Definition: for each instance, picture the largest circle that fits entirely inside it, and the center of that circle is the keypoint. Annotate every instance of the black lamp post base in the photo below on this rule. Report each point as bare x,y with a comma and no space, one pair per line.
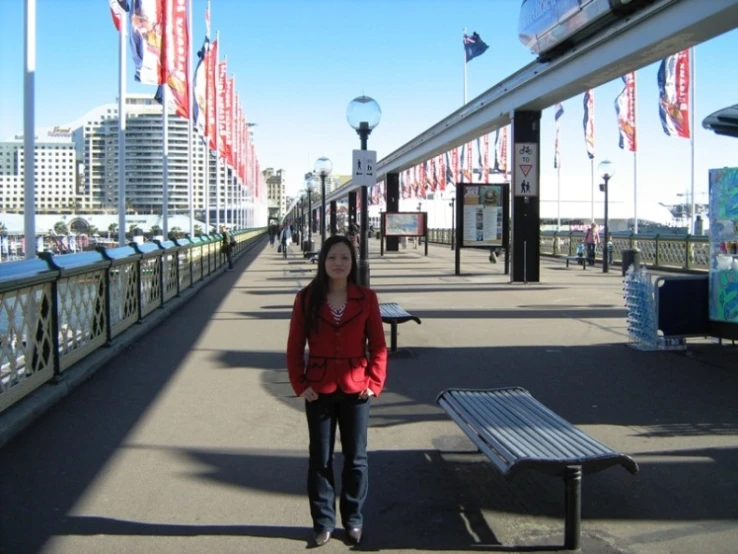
364,273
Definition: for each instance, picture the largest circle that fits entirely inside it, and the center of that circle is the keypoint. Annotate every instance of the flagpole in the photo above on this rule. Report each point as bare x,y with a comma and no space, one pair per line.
635,160
29,131
693,130
190,103
122,52
465,64
592,180
558,196
216,76
165,183
206,139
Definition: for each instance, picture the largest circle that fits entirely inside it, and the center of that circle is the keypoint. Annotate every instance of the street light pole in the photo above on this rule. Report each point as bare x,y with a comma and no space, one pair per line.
363,114
323,168
607,170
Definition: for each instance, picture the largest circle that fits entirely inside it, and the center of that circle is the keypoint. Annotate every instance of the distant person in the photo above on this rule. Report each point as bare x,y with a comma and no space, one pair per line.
227,246
272,234
592,240
284,238
610,249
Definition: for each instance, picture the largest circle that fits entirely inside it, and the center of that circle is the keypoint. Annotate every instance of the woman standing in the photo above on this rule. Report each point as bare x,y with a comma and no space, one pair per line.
347,364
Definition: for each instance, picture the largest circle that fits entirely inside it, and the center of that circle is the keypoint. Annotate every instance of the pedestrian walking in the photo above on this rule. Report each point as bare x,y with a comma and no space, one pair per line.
227,246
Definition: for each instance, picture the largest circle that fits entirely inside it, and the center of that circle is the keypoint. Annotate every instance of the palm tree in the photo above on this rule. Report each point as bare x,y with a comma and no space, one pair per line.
93,231
155,230
175,232
132,228
60,228
198,230
3,228
112,229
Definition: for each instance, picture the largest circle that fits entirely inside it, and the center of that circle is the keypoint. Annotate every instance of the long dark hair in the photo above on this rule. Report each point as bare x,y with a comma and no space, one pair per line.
317,291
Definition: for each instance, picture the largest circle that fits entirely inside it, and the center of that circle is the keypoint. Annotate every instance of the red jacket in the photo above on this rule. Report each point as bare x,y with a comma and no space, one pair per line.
338,353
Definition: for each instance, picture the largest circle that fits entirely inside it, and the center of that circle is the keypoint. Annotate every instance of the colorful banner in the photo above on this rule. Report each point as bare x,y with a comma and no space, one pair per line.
485,157
674,80
589,123
455,164
147,37
176,48
229,121
625,106
118,9
221,92
559,112
200,90
211,98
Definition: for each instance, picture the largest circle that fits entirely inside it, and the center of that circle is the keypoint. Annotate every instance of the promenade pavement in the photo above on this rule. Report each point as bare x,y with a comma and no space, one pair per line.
191,440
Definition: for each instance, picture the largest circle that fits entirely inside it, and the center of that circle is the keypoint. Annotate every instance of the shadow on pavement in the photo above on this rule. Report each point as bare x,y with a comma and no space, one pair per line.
94,420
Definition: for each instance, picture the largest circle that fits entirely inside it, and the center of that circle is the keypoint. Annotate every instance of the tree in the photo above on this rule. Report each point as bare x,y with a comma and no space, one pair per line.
60,228
198,230
3,228
156,230
132,228
94,231
175,232
112,229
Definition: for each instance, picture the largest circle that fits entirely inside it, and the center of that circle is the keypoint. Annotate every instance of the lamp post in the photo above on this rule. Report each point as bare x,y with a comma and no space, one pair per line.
606,170
309,189
363,114
323,168
301,226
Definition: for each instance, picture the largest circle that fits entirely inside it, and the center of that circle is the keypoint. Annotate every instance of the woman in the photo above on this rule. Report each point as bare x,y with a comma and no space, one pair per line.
340,322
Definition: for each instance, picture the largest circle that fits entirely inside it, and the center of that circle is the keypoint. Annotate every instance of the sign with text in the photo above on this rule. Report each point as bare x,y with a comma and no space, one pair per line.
525,160
484,215
404,224
363,170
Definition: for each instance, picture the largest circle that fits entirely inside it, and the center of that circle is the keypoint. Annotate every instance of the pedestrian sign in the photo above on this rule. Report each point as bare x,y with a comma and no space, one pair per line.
363,168
525,158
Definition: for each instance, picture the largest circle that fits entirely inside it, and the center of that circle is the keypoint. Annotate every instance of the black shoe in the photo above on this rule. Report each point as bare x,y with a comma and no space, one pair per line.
322,538
354,534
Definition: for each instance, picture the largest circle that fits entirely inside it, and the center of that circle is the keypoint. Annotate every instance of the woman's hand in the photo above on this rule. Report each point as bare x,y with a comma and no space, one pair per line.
309,394
363,395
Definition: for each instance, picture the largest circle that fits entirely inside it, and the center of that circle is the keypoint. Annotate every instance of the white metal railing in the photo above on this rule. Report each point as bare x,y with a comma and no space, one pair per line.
56,310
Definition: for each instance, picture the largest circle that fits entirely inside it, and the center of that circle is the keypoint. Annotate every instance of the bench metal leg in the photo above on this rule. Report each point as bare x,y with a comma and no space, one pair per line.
393,337
573,503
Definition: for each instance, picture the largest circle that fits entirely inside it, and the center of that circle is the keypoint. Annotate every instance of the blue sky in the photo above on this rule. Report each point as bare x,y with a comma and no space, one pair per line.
298,63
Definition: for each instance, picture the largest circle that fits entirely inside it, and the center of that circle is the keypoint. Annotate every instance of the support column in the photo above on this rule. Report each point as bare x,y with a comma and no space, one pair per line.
352,207
526,228
334,209
392,181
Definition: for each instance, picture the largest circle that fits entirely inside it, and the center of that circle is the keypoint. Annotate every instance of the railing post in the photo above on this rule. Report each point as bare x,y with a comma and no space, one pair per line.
571,243
108,308
556,243
657,254
687,251
139,288
176,261
631,240
52,312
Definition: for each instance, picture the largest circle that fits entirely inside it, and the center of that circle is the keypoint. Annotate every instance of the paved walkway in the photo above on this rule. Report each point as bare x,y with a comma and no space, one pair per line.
191,440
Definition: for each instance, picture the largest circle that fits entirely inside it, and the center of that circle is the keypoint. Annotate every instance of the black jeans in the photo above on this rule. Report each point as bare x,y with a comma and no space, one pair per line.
352,416
590,253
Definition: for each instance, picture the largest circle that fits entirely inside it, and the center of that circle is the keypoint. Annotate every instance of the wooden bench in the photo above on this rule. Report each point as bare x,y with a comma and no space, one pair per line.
579,259
516,432
393,314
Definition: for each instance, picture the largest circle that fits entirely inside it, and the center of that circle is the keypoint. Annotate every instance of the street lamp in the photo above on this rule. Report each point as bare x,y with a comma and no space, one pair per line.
323,168
607,170
309,190
363,114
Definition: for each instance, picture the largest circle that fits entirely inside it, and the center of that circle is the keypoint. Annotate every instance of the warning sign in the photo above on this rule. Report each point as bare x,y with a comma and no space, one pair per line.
525,160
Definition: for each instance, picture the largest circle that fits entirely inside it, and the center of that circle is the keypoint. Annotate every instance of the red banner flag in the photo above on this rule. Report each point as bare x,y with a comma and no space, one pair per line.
211,95
625,107
674,80
229,120
222,71
176,54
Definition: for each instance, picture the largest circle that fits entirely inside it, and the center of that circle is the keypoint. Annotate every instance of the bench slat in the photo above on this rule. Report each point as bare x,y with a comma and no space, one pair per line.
393,311
516,431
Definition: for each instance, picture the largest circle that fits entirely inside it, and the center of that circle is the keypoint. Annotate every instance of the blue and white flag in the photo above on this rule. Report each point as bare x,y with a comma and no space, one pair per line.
474,46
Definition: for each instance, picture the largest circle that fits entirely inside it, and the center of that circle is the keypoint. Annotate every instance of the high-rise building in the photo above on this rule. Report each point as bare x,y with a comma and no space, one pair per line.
55,172
276,192
96,138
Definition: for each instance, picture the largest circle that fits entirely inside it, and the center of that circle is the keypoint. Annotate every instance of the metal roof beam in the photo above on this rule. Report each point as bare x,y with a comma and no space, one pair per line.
647,36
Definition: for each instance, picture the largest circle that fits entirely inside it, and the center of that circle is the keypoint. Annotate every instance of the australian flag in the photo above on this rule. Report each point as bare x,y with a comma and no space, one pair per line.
474,46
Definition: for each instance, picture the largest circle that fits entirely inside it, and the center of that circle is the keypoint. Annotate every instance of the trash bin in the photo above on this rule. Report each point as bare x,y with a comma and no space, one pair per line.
631,256
307,246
